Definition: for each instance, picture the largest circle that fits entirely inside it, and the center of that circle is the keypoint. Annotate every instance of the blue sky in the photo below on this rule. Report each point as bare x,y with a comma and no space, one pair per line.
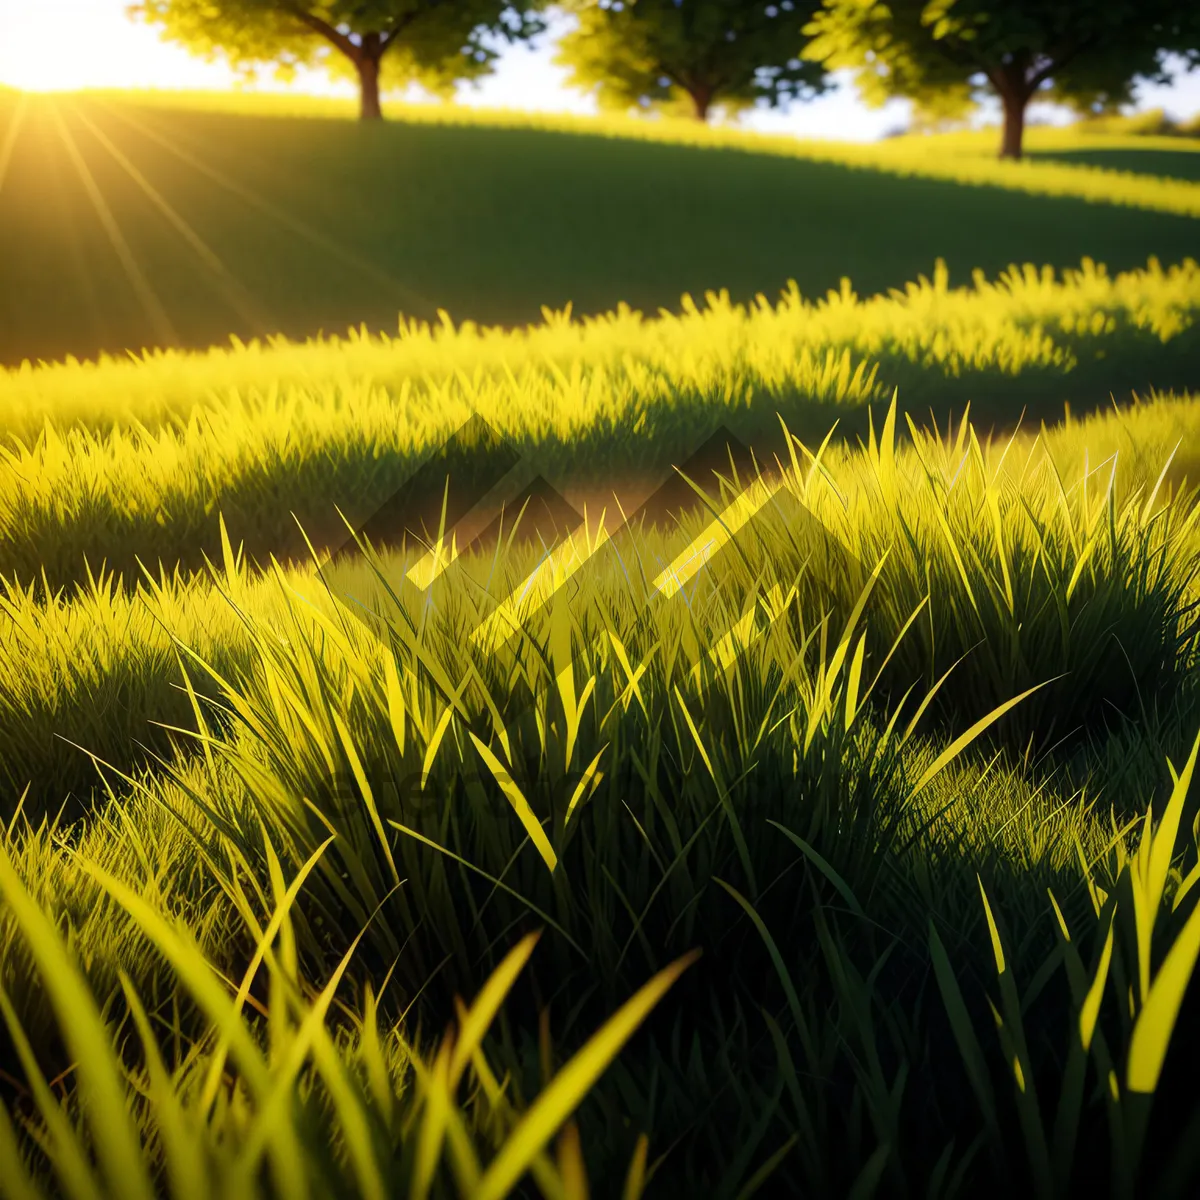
64,44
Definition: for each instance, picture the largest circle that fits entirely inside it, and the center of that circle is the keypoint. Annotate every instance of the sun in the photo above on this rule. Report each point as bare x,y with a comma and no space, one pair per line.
65,45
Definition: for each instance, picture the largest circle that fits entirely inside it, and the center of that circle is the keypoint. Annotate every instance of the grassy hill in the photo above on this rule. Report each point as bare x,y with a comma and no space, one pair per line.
131,222
831,833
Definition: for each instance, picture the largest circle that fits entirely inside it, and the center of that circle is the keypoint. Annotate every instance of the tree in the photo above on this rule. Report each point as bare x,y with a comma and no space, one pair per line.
945,54
688,55
382,43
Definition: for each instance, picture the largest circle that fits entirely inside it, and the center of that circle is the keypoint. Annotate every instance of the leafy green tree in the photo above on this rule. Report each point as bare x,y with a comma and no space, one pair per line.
382,43
679,56
946,54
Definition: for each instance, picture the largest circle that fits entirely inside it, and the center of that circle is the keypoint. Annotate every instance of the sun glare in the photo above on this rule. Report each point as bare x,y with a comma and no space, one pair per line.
64,45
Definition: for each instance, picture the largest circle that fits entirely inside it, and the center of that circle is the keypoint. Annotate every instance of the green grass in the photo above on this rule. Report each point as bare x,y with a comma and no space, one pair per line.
682,835
1165,164
106,669
840,838
272,436
331,225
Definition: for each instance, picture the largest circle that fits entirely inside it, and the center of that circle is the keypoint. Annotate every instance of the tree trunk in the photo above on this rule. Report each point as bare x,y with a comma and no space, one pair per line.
701,102
1015,102
368,80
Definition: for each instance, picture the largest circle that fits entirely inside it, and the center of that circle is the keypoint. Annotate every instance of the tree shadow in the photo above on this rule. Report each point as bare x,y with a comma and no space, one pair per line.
1166,164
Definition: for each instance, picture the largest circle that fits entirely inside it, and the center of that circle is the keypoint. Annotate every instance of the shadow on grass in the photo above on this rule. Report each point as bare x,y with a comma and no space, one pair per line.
1167,164
326,225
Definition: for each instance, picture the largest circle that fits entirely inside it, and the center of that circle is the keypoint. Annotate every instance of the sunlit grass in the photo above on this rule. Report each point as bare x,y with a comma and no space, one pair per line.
121,459
375,814
838,840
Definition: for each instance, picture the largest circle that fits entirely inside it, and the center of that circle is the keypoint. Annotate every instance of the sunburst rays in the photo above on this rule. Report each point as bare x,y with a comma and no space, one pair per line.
10,136
416,301
78,127
152,305
230,288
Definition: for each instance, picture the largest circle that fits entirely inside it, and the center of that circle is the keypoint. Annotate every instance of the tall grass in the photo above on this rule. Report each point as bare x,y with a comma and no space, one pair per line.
601,775
1057,556
283,1091
291,1106
838,349
380,795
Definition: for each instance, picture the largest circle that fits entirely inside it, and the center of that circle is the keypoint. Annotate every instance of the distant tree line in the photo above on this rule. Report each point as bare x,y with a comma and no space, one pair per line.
703,56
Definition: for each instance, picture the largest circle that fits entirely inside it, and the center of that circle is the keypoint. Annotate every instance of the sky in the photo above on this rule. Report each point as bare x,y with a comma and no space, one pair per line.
58,45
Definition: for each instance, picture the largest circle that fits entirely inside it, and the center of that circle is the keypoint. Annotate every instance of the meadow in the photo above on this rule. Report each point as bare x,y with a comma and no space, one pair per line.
126,222
279,439
824,823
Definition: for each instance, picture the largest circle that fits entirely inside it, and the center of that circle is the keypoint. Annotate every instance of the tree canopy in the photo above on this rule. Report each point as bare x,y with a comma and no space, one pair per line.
945,54
677,56
381,43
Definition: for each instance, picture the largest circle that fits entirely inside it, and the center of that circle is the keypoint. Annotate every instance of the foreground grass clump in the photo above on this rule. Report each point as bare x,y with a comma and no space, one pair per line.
728,739
350,1111
136,461
347,1073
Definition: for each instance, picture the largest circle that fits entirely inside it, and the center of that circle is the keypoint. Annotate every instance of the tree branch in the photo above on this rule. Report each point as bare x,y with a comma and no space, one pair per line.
398,27
1058,61
1010,78
322,27
350,49
402,23
996,79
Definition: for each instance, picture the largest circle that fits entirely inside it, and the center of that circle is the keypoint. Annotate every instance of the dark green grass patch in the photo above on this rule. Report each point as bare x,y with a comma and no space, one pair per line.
1166,164
321,224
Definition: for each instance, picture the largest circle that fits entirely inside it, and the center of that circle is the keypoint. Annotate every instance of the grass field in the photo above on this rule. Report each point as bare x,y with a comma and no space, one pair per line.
126,224
836,834
140,460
